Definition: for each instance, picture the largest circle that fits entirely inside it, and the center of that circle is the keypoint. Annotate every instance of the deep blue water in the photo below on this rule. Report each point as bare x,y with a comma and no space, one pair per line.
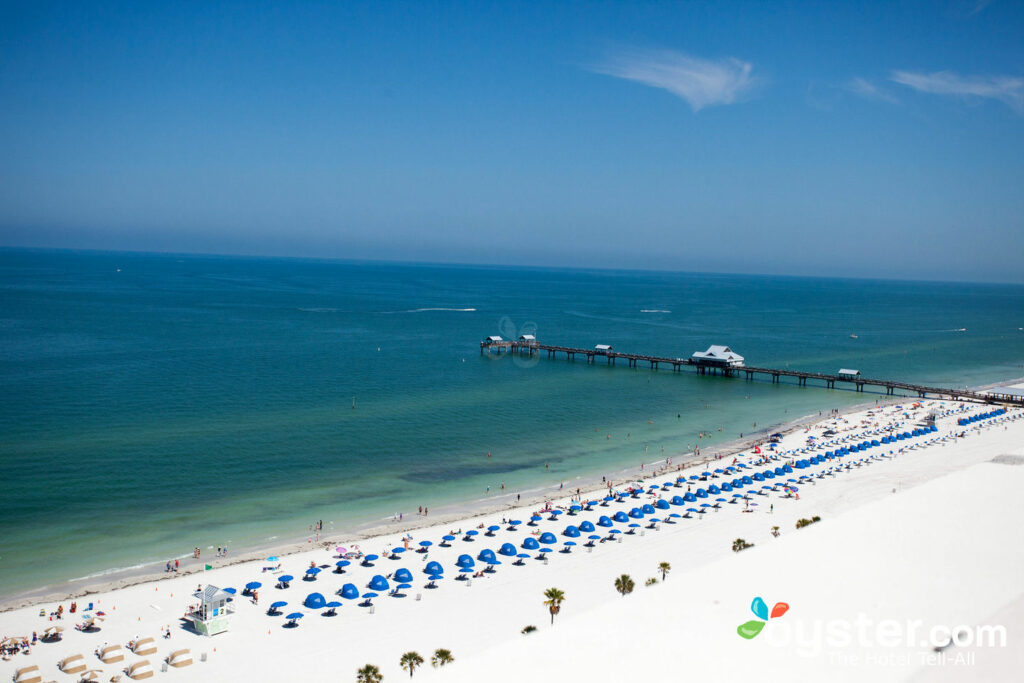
152,403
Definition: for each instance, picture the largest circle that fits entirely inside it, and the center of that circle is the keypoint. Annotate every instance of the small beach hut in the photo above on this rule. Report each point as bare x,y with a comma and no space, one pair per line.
403,575
112,654
145,646
547,538
378,583
139,670
433,567
75,664
529,543
180,658
28,674
211,616
507,549
349,591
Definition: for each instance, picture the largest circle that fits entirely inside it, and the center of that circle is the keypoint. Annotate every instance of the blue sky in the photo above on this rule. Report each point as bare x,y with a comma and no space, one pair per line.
857,139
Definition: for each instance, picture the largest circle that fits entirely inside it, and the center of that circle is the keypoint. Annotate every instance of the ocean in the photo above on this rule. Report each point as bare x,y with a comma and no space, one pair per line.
153,403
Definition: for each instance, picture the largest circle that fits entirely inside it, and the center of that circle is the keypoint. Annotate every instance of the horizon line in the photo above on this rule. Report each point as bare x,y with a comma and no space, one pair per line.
492,266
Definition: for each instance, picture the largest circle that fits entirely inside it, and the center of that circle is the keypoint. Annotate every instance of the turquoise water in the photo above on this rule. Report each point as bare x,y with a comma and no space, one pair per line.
153,403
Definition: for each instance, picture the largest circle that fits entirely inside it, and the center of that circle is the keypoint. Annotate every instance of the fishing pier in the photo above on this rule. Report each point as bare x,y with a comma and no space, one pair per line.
722,360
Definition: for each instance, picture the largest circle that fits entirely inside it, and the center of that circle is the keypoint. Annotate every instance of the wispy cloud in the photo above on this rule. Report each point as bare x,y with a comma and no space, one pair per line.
701,82
979,7
1006,89
870,91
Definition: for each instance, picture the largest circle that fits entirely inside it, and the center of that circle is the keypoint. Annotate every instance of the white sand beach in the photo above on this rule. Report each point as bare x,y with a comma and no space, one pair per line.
926,536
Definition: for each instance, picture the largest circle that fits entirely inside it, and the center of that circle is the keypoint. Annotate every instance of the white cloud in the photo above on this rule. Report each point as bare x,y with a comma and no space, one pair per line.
701,82
1006,89
870,91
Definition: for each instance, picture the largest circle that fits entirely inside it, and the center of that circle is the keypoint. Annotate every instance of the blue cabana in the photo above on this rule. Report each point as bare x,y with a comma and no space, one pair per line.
587,526
604,521
403,575
636,513
487,555
620,517
662,504
677,500
647,509
701,493
529,543
349,591
571,532
314,601
507,549
433,568
378,583
465,561
547,538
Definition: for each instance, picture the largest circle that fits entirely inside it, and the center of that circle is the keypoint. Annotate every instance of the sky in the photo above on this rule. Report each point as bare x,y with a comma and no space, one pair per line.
851,139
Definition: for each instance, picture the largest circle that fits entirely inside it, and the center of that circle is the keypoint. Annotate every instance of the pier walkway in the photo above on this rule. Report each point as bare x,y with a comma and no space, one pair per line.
532,347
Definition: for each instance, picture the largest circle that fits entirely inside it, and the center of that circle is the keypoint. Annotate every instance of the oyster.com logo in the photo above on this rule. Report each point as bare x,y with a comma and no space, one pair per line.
760,610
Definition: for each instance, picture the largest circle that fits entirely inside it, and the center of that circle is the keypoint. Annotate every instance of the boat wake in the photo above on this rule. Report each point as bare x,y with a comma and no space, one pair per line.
654,310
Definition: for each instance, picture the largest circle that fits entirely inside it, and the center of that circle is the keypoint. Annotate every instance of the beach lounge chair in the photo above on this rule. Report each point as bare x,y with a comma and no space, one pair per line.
144,646
112,654
139,670
28,674
180,658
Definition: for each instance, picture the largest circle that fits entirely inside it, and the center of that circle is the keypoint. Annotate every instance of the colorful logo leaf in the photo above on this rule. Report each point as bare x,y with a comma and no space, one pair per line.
750,629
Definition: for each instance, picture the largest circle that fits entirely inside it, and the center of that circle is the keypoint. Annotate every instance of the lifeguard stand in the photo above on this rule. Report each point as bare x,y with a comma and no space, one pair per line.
212,614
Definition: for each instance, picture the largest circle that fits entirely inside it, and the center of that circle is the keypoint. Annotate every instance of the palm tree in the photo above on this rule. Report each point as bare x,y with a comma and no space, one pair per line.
369,674
624,584
441,657
554,601
409,661
665,568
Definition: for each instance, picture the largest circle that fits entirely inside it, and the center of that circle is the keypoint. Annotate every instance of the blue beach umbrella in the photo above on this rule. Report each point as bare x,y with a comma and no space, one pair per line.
472,532
595,537
534,519
447,538
369,596
425,544
435,577
279,604
295,615
615,531
341,564
285,579
398,551
253,585
514,522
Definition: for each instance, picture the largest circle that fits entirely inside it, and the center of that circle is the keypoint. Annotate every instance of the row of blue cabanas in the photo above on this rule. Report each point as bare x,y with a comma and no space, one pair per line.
875,443
964,421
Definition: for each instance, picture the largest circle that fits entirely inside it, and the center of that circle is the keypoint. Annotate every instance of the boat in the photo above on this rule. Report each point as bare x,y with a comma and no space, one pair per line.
853,336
